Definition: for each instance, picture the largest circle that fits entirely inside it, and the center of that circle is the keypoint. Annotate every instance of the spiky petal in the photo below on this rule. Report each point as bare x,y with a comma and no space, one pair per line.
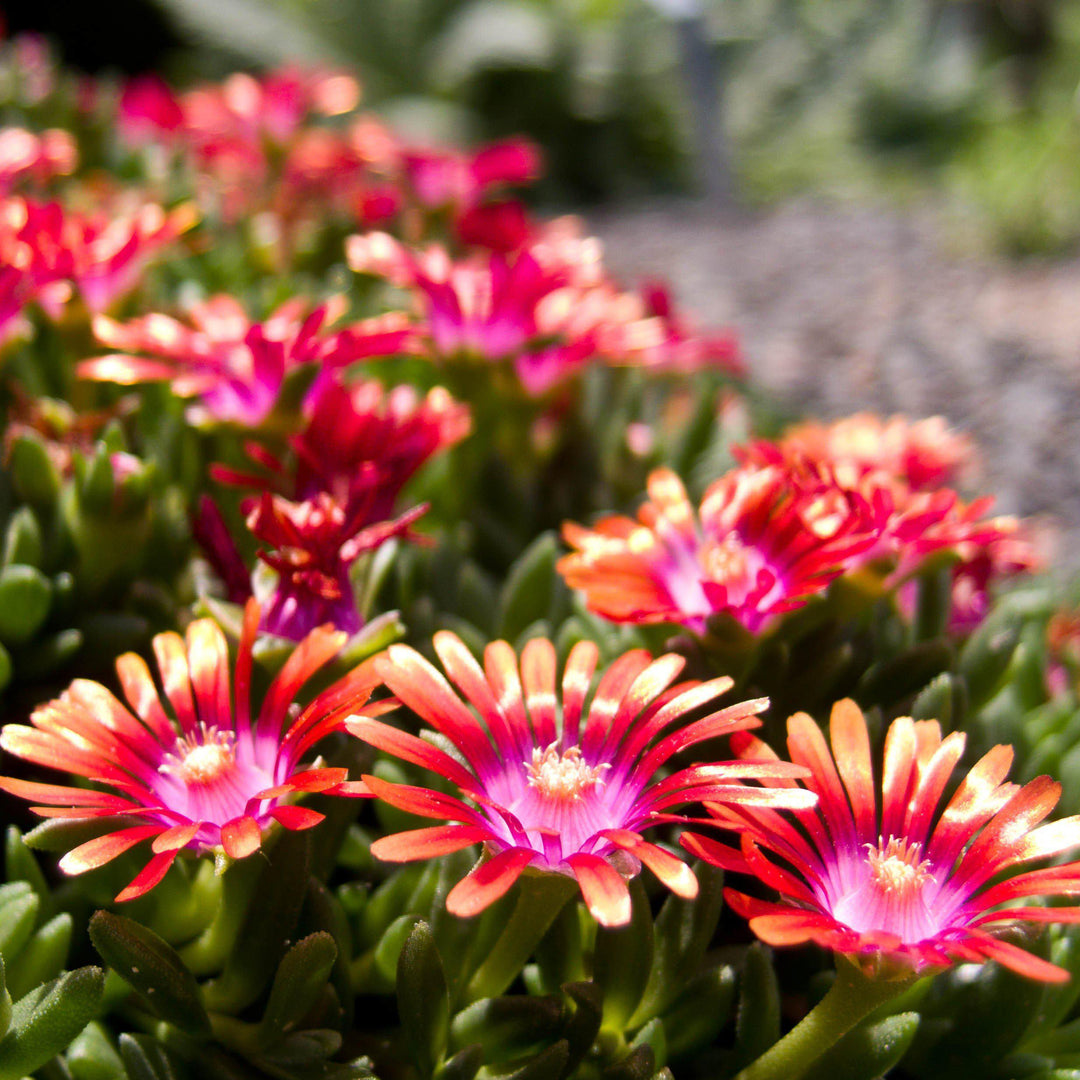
549,787
194,769
902,885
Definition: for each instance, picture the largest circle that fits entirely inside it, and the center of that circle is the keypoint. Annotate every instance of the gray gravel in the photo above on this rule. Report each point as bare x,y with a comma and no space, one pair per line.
842,308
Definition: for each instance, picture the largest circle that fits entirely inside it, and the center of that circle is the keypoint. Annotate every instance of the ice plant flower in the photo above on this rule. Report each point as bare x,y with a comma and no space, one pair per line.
360,444
904,887
764,542
234,366
312,545
545,787
925,454
197,770
24,155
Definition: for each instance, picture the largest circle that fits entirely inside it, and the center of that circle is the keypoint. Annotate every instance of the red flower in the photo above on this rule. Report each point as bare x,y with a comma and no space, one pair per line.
194,772
764,542
909,889
545,789
311,545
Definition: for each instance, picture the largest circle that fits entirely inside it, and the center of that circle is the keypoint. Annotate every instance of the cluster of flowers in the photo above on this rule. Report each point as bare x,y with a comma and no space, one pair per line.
565,783
555,777
862,496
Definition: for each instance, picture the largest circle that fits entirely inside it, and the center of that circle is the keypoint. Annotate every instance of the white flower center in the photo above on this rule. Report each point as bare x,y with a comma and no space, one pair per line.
563,777
897,868
202,757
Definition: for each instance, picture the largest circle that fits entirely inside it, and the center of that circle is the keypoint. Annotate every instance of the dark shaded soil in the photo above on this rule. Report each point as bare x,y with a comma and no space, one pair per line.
842,309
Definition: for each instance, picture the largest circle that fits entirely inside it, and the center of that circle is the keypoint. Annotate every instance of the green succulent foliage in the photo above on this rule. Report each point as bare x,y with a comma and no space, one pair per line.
84,557
260,989
42,1006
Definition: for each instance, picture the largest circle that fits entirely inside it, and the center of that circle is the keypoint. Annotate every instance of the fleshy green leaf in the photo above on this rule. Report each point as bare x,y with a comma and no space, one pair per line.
869,1051
25,596
757,1023
19,906
301,978
152,967
145,1059
45,1021
92,1055
423,999
623,959
267,928
682,933
43,957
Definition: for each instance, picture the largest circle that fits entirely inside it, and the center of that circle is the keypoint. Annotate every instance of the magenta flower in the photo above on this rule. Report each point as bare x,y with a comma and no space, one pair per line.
233,366
551,788
914,887
197,770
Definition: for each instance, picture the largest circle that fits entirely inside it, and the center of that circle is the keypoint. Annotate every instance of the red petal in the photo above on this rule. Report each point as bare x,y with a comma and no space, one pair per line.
807,746
409,748
179,836
296,818
421,688
176,677
792,927
148,877
672,871
61,796
103,849
898,775
317,649
538,679
577,676
312,780
613,687
208,657
605,892
139,689
487,882
851,749
241,837
933,777
124,370
1015,958
423,801
428,843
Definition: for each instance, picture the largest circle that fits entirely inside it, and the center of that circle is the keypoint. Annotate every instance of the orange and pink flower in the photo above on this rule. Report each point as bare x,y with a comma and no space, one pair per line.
907,887
197,770
764,542
550,787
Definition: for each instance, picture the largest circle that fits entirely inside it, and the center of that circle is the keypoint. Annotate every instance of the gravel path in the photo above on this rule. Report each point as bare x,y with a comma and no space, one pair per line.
843,308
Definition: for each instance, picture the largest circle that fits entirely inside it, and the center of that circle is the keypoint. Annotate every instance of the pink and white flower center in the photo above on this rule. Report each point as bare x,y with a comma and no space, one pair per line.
210,775
563,777
732,564
892,889
897,869
201,758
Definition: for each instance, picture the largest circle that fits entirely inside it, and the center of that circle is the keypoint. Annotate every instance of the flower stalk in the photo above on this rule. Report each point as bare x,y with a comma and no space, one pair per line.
850,1000
540,899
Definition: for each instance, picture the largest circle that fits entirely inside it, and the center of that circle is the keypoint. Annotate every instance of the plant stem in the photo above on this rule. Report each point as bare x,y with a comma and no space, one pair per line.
540,899
851,998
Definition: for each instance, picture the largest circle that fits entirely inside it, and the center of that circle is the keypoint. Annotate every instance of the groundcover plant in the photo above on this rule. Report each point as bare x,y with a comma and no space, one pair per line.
423,655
